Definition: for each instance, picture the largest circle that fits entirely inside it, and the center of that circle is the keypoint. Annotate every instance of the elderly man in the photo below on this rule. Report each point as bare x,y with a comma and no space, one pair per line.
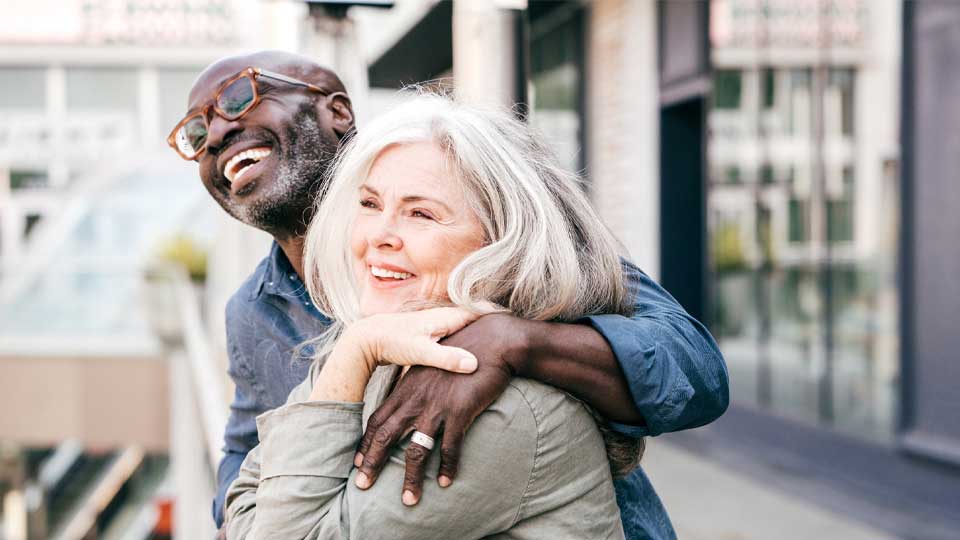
263,129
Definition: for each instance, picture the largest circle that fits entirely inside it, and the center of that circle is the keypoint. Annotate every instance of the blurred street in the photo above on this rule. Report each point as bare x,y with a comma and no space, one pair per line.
709,501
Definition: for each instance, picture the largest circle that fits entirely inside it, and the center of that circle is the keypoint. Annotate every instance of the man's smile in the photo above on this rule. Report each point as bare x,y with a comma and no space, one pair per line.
241,166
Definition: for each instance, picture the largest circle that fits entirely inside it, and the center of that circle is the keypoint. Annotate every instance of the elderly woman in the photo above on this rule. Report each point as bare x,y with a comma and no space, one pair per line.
439,204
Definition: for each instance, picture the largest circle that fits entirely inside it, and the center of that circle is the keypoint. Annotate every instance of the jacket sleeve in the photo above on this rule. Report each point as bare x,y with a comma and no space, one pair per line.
676,374
299,482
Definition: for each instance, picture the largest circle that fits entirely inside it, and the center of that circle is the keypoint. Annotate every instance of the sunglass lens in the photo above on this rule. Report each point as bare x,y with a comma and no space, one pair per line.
236,97
192,136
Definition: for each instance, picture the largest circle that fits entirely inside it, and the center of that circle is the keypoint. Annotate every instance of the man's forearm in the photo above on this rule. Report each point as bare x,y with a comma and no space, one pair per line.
577,359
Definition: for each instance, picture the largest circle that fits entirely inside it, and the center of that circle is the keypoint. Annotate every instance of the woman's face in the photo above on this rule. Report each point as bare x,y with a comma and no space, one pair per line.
412,228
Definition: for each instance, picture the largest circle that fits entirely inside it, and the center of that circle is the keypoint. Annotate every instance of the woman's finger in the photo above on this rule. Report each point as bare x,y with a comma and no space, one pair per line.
441,322
424,352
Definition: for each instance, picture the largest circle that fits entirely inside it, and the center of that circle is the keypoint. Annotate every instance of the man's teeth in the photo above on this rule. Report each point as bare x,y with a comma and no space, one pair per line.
254,154
384,273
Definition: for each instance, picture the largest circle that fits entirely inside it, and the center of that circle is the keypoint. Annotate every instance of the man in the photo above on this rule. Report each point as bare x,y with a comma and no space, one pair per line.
263,139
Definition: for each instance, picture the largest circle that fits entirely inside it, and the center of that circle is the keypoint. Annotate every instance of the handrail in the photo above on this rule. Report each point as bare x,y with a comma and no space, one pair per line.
207,386
106,489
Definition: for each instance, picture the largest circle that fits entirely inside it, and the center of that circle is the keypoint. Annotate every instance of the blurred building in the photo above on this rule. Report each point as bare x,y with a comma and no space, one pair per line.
762,159
783,167
89,197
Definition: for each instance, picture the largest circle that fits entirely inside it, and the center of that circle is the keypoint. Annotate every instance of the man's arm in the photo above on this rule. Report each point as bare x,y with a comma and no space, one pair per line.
240,435
656,371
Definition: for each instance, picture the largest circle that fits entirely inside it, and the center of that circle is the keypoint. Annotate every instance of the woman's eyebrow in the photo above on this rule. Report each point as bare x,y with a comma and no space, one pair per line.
418,198
410,198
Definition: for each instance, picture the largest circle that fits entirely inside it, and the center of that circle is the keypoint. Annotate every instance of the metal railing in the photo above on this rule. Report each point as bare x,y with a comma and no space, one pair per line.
198,406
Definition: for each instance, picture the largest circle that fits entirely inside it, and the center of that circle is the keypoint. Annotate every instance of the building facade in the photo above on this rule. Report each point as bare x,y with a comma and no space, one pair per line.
762,159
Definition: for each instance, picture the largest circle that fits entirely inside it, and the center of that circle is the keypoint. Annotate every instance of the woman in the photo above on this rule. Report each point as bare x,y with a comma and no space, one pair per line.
432,204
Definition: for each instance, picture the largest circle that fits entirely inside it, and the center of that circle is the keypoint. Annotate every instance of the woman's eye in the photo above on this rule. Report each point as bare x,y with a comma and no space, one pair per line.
367,203
421,214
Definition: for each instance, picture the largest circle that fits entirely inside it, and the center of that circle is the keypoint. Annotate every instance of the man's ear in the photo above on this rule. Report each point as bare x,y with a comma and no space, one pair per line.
341,112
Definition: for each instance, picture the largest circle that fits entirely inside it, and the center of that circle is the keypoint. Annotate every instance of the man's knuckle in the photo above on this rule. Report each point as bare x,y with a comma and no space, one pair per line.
382,437
415,452
449,454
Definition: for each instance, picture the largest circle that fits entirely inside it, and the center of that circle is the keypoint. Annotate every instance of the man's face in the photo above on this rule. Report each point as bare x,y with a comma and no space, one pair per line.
265,168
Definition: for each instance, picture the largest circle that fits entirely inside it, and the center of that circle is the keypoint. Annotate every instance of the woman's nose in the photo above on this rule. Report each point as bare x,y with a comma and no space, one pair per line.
386,234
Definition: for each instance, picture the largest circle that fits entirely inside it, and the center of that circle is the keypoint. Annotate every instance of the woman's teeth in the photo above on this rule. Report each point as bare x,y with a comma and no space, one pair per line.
241,162
384,273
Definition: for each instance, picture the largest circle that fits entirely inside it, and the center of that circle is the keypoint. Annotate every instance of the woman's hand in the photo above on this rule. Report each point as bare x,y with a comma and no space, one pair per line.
410,339
405,339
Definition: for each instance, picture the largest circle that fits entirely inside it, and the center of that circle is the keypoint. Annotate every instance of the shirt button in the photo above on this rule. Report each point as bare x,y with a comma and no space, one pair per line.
293,276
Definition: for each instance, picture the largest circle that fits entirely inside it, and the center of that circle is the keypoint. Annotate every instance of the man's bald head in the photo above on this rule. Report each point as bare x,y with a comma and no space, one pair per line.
293,65
266,167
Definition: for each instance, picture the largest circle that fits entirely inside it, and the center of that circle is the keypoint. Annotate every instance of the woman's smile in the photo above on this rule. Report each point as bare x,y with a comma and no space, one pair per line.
384,276
413,227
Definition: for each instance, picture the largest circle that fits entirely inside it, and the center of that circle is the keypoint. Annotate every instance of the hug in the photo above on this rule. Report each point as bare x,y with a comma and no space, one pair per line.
445,340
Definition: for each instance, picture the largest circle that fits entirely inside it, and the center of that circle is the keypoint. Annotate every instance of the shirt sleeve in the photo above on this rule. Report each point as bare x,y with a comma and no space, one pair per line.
240,434
673,366
299,482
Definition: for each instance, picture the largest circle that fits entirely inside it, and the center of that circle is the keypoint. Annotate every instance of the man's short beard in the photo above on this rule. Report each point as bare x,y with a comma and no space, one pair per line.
283,208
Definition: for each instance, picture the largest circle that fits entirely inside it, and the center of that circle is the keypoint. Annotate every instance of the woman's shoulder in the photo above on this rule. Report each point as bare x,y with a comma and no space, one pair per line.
550,421
550,407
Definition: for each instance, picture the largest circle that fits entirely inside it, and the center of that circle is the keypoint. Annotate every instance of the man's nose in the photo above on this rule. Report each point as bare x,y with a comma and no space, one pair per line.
219,131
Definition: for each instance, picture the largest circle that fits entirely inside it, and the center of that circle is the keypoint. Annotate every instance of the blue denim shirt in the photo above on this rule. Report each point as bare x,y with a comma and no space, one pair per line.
676,374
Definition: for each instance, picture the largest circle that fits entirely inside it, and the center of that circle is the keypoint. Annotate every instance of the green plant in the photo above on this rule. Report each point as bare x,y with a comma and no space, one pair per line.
184,251
727,249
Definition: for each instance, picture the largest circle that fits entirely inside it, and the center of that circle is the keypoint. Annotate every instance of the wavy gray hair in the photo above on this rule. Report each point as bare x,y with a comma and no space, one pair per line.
547,255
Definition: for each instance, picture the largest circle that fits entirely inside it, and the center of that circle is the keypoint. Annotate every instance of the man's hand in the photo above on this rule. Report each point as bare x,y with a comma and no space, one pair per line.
442,404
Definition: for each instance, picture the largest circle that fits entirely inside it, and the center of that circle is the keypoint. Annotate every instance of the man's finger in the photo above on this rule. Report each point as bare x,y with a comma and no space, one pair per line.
416,456
381,415
449,455
378,452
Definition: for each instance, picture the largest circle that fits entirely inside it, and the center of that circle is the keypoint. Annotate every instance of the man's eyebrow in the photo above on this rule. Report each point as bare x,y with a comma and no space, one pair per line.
216,86
410,198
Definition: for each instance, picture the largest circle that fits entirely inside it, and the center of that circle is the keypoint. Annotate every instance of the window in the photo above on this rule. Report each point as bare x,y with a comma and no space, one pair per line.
23,88
101,89
768,78
802,308
799,230
28,179
556,82
726,90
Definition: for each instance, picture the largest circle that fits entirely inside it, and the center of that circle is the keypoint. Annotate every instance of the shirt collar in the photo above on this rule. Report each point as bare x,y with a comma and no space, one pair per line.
279,277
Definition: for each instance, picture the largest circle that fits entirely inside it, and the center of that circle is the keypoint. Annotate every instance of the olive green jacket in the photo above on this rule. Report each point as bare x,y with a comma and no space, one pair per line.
533,465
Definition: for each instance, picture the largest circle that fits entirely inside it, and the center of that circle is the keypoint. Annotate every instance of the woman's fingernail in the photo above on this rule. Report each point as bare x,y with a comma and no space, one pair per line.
468,364
363,481
409,498
358,460
444,481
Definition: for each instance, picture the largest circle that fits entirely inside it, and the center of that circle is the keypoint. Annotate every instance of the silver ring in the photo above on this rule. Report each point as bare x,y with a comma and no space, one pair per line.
422,439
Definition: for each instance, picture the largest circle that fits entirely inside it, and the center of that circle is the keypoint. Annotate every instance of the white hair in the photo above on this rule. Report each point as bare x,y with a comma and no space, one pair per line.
547,255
